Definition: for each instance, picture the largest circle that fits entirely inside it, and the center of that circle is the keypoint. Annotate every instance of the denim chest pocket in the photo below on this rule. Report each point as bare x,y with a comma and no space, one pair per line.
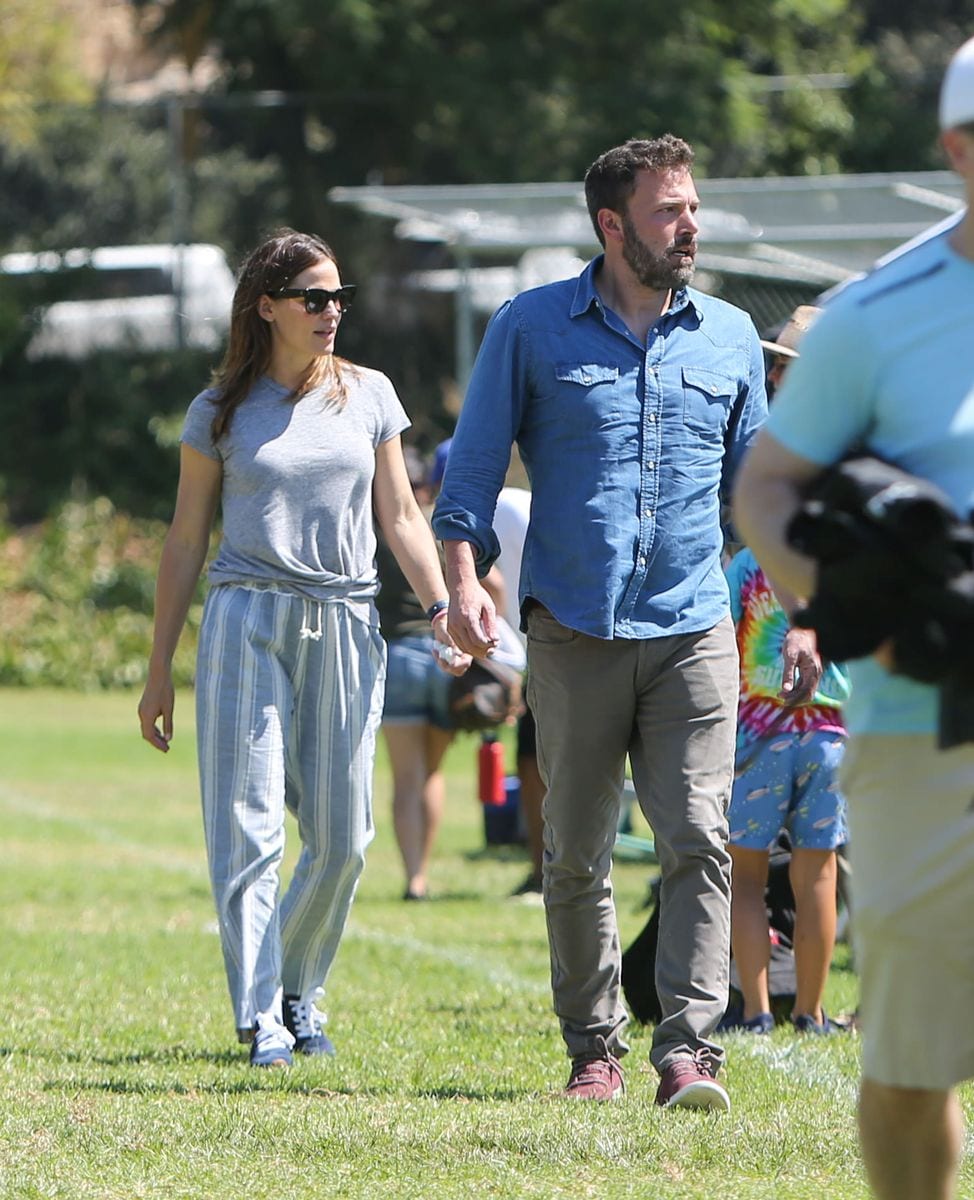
707,399
588,390
587,374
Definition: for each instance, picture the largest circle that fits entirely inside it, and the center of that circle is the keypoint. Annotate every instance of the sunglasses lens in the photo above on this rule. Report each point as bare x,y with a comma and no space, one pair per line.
316,300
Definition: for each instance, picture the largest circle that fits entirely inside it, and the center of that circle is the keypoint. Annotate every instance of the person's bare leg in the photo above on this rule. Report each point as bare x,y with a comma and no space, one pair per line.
532,799
415,754
433,799
407,757
813,882
911,1141
750,941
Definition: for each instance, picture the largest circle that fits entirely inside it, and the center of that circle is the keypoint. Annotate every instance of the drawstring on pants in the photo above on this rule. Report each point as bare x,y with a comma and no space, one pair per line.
306,631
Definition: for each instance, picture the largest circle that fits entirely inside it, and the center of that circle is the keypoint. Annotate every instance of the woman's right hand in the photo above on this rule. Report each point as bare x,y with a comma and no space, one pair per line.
157,703
449,657
183,555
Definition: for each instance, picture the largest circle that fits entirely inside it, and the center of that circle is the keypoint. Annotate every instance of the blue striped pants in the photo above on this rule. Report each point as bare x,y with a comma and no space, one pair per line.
289,698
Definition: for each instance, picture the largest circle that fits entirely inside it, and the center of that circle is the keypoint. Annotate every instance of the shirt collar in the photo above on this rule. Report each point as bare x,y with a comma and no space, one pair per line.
586,294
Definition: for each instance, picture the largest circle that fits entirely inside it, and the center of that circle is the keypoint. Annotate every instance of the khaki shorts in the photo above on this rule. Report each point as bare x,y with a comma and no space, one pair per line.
911,825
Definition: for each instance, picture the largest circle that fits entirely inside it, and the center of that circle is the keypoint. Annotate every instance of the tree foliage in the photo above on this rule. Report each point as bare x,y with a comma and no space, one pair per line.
895,100
446,91
94,428
426,91
313,95
103,175
38,66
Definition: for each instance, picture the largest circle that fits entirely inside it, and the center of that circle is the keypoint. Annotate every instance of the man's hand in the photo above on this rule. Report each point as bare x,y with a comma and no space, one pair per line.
802,666
471,620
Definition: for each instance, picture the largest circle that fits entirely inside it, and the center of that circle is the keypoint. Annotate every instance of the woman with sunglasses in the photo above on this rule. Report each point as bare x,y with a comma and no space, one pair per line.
302,449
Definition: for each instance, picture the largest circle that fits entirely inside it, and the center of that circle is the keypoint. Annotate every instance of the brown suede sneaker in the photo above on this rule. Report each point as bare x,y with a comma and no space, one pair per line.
596,1079
690,1083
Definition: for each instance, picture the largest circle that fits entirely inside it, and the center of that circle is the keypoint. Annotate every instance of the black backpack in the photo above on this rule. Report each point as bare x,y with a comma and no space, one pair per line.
639,958
484,696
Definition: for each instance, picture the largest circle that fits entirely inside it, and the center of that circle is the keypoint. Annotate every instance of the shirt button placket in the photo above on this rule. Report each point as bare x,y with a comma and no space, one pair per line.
651,401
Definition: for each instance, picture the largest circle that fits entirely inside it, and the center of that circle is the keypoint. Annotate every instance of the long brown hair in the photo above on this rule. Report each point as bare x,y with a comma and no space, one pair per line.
271,266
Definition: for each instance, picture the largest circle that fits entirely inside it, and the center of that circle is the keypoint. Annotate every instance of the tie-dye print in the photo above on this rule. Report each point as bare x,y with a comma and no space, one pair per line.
761,627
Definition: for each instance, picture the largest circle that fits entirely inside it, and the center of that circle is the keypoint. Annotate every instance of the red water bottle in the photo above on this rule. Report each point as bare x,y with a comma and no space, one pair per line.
490,769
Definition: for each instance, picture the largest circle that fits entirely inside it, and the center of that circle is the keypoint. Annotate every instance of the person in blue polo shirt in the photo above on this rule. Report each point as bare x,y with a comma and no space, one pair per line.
889,367
632,399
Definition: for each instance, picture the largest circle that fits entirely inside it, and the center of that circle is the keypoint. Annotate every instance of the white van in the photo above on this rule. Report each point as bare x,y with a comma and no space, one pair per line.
142,297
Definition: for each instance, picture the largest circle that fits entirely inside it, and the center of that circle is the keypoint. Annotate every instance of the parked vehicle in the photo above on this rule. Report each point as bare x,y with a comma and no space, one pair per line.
154,297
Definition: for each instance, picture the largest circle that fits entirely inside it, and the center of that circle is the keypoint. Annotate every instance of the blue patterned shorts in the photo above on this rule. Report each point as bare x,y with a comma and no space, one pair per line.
792,783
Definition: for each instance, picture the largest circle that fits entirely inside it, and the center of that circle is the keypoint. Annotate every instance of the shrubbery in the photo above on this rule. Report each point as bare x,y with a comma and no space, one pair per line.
104,426
76,597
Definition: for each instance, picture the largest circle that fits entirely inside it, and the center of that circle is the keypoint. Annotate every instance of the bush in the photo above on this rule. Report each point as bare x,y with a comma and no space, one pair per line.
76,599
98,427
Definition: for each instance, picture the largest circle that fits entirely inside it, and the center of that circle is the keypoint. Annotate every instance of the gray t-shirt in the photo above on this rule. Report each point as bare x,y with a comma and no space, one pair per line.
297,484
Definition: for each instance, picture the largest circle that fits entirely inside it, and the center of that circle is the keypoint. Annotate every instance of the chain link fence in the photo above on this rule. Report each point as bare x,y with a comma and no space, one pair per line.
770,302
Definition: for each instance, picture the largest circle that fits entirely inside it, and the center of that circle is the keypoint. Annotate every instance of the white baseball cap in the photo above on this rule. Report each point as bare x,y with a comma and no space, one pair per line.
957,92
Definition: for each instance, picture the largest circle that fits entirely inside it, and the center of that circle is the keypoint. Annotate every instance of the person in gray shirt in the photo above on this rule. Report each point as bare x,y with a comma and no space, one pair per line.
302,449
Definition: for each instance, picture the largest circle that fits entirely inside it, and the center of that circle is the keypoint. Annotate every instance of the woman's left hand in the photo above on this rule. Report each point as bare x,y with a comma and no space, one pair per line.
449,657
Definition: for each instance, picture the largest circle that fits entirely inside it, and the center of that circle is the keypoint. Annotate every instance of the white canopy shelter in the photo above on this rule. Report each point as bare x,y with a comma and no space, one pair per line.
816,231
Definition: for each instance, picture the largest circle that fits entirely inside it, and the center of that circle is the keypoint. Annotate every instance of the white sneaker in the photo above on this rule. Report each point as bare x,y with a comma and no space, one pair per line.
272,1044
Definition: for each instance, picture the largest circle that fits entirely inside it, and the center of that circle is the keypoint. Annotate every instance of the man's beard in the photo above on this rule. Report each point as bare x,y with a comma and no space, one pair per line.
658,272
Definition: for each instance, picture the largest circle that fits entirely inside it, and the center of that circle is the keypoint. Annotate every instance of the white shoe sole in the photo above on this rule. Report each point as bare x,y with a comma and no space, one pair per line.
700,1095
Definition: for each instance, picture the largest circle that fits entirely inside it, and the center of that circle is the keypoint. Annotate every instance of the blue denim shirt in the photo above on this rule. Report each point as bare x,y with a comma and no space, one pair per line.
630,449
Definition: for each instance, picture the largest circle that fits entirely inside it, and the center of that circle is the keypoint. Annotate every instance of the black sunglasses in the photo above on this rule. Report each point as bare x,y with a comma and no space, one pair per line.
316,300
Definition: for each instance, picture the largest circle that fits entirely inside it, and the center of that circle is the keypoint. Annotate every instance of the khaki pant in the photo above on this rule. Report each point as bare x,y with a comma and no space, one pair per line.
670,704
911,843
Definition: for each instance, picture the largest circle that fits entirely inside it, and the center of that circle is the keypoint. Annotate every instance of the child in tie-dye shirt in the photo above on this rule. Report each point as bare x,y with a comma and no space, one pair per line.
787,758
761,627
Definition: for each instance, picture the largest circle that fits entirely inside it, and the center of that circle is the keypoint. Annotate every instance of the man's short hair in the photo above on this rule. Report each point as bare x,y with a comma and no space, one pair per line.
611,179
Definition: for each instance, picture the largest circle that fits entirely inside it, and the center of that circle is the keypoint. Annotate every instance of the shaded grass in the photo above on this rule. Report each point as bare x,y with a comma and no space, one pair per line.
120,1075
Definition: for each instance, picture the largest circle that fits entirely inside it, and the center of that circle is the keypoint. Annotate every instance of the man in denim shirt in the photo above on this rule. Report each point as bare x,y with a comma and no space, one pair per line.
632,398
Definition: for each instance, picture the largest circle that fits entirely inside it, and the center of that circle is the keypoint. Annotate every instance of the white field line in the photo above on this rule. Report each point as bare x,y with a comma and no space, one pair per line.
41,810
802,1061
473,963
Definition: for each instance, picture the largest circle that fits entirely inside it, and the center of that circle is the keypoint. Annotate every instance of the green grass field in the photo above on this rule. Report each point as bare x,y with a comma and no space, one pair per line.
120,1075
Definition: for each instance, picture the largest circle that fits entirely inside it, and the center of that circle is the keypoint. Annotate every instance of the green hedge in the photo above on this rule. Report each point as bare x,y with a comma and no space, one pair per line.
76,598
105,426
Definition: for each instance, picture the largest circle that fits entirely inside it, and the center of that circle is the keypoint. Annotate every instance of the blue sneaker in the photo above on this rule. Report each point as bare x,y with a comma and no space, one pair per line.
305,1023
805,1023
762,1023
271,1046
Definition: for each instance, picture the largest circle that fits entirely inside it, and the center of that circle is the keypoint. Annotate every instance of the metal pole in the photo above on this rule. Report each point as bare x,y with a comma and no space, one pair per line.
463,317
179,209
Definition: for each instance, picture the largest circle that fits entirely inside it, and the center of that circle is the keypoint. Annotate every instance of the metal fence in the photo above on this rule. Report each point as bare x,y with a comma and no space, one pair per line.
770,302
